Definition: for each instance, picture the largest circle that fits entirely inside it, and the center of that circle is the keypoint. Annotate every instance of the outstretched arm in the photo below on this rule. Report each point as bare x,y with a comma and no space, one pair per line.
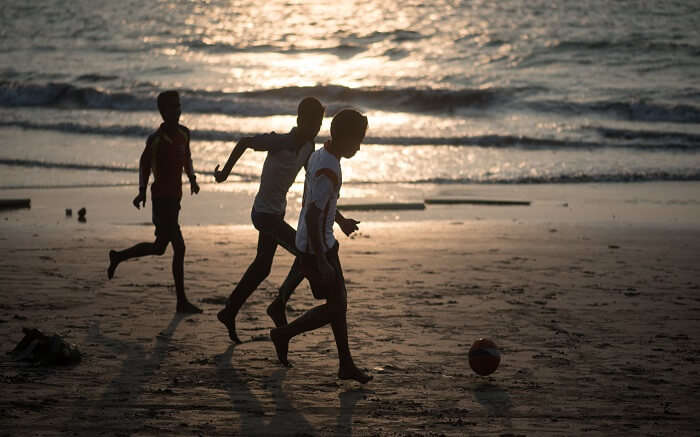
222,175
347,225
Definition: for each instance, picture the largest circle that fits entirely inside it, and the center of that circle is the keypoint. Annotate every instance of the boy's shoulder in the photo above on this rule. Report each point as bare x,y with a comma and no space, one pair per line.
324,164
272,142
186,133
324,158
152,137
158,132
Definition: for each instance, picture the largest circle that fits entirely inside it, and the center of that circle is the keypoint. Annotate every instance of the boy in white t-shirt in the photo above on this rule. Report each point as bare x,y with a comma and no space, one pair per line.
319,258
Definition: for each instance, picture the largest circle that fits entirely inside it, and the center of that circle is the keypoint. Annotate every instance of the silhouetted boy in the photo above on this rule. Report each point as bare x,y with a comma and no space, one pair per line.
319,249
166,154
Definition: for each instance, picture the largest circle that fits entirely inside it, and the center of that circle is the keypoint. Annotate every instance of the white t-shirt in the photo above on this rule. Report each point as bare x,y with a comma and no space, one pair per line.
321,190
281,167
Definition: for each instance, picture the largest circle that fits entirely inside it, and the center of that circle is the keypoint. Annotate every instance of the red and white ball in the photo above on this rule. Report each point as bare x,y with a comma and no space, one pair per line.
484,357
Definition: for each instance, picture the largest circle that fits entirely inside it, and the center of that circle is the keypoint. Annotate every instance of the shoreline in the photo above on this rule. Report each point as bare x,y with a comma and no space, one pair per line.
652,203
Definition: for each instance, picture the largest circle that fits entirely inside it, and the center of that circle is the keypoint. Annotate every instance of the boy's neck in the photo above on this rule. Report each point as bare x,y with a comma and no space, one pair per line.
330,147
170,127
300,141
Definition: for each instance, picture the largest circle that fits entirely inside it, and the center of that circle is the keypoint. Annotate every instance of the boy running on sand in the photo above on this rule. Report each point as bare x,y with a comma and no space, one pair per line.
319,258
167,152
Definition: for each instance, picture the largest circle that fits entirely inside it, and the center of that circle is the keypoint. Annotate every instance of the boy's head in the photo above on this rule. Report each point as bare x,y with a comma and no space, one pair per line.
309,118
348,129
169,106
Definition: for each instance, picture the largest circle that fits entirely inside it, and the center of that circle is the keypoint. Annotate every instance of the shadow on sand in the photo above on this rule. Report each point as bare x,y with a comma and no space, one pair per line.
256,417
276,414
258,400
496,401
118,410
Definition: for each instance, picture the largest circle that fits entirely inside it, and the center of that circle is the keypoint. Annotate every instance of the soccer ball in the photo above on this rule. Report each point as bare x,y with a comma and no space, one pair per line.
484,357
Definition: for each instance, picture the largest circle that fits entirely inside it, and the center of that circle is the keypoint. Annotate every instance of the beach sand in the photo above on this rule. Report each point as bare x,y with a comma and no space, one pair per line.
597,319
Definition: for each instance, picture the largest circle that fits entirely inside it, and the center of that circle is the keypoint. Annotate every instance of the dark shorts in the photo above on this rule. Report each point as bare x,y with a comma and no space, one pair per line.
309,269
165,217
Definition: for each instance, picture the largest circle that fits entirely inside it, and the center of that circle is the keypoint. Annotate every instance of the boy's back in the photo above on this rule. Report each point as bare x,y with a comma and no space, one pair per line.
283,162
166,155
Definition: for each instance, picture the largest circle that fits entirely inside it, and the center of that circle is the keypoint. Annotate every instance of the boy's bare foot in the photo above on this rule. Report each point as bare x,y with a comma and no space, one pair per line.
227,318
353,372
187,308
276,311
281,346
112,264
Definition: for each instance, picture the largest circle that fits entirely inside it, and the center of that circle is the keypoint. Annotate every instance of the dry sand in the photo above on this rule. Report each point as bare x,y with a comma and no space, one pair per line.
597,325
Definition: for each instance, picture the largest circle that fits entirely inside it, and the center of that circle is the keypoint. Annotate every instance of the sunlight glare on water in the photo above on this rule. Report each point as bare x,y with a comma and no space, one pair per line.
456,92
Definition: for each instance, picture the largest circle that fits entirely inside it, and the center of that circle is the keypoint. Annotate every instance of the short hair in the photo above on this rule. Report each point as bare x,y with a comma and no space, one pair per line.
349,123
310,107
165,96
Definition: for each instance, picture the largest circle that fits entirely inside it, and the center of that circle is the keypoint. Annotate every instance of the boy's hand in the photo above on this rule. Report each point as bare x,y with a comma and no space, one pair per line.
194,187
219,175
140,199
348,225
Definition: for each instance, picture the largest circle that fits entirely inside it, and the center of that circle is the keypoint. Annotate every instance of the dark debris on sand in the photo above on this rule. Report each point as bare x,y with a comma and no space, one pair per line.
45,350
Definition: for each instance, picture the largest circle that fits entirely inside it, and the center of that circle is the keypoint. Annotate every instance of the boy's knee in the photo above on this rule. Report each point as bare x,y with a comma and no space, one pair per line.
160,247
265,271
179,246
263,267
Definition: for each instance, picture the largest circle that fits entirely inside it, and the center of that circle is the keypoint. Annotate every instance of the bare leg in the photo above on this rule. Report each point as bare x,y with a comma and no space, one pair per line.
158,248
277,312
347,368
256,273
135,251
113,263
286,236
313,319
338,317
334,312
183,305
277,309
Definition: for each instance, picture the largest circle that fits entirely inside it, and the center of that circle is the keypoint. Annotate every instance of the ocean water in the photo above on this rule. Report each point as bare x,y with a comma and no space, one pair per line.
457,92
